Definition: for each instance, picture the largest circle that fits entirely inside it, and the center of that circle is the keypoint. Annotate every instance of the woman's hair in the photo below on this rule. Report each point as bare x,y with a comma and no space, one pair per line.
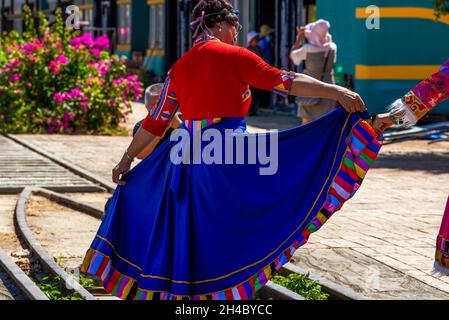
214,11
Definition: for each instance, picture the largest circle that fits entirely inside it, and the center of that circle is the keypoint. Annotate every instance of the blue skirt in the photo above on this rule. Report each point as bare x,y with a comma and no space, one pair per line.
220,231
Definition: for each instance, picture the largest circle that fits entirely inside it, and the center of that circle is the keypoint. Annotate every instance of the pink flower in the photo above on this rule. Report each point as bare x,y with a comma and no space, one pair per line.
87,40
29,47
102,43
62,59
75,42
13,63
54,66
59,97
15,78
68,117
31,58
118,81
76,93
84,106
96,52
111,102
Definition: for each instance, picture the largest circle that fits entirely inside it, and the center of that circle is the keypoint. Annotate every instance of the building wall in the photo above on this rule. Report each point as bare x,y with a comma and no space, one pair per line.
389,61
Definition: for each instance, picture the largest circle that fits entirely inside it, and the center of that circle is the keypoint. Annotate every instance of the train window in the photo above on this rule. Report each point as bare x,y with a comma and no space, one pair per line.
157,26
124,23
51,4
88,16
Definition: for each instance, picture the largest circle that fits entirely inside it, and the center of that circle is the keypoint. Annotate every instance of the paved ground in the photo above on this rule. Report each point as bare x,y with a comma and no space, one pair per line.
21,167
381,244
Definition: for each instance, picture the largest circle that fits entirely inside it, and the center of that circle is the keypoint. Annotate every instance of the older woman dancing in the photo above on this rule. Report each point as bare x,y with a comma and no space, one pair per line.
219,229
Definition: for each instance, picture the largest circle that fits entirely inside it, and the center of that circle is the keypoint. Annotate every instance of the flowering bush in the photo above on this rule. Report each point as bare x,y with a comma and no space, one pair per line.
58,81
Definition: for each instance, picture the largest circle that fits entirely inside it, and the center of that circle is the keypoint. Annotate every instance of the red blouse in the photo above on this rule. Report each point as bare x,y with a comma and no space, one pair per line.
212,81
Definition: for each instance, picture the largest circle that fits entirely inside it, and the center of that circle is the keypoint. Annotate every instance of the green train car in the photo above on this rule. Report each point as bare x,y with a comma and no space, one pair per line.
389,48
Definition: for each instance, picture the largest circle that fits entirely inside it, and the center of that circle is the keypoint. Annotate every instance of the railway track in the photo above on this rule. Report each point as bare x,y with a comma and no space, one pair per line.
17,285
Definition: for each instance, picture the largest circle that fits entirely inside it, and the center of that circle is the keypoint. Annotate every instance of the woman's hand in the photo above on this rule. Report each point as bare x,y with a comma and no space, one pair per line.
300,33
350,100
382,122
122,168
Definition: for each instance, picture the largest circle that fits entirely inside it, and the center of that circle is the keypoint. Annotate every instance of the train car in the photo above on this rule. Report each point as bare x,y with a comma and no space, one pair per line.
158,30
388,48
385,57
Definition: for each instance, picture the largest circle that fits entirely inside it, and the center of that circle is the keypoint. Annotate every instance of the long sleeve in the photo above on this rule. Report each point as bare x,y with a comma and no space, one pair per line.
416,103
254,71
160,115
299,55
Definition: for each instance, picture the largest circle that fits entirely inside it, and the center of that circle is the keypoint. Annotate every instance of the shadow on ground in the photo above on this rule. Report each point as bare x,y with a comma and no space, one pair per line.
436,163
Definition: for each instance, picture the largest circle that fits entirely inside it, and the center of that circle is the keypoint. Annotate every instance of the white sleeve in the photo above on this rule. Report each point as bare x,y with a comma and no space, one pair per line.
335,48
299,55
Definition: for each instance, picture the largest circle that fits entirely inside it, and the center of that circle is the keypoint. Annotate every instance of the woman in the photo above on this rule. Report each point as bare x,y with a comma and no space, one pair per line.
219,231
320,54
407,111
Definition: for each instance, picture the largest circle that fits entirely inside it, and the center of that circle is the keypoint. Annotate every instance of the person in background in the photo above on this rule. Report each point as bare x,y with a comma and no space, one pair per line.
257,94
319,54
152,94
266,45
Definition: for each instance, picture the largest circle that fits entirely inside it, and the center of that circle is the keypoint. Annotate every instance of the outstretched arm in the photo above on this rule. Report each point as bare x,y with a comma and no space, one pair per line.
417,102
257,73
306,86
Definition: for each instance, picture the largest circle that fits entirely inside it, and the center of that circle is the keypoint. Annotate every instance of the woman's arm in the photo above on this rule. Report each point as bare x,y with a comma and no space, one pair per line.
298,51
140,141
300,38
306,86
174,124
257,73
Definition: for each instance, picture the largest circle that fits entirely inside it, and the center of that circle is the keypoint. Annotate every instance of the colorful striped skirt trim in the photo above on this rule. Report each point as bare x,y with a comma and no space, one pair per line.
198,125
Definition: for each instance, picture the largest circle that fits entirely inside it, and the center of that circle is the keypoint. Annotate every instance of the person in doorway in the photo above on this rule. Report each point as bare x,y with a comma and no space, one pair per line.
266,44
257,94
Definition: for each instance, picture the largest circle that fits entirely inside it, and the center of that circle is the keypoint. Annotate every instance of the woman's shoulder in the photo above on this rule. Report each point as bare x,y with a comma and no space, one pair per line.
222,47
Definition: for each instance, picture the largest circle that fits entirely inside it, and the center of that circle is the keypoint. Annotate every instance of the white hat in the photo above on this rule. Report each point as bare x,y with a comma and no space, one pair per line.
251,35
